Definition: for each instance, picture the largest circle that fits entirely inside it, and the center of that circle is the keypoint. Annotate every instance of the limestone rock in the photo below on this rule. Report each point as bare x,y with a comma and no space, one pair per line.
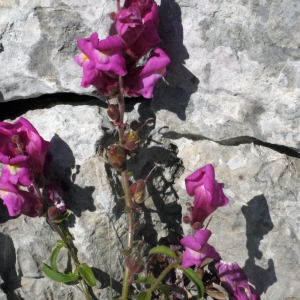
234,73
38,44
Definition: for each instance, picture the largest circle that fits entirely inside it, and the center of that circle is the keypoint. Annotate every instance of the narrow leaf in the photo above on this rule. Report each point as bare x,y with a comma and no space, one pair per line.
59,277
145,280
54,257
193,276
165,290
164,250
143,296
87,274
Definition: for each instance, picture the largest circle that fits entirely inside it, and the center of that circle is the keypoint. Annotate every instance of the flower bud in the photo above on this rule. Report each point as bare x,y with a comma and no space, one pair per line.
137,191
186,220
131,140
53,212
116,156
113,112
134,262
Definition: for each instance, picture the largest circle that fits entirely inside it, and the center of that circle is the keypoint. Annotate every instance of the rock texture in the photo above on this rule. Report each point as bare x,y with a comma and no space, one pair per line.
38,44
231,59
234,72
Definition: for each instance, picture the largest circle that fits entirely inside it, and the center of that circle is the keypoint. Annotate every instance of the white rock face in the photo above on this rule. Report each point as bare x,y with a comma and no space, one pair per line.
38,44
234,70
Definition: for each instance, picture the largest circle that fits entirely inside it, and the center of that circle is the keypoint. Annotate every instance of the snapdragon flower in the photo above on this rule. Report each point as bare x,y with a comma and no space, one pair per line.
197,249
207,191
235,281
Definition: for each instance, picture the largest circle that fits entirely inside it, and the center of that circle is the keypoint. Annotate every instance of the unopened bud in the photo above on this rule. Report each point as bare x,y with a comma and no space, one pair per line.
134,262
112,16
116,157
186,220
113,112
53,212
197,226
131,140
137,191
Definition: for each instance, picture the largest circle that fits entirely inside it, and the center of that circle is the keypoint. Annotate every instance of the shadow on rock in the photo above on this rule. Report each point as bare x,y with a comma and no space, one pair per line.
11,280
78,199
174,93
106,280
258,224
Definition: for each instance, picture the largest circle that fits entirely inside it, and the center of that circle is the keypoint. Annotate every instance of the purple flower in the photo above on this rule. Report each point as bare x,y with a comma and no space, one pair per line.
105,55
137,25
104,83
19,201
55,194
18,171
129,25
197,249
22,139
235,281
142,80
207,191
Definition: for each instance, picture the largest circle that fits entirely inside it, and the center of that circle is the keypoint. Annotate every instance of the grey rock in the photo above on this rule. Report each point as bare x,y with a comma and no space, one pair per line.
38,44
236,61
237,75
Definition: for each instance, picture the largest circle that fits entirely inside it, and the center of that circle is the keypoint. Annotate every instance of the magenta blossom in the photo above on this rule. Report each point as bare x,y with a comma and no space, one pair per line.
207,191
129,25
104,83
142,80
137,25
18,171
197,249
19,201
22,139
105,55
235,281
55,194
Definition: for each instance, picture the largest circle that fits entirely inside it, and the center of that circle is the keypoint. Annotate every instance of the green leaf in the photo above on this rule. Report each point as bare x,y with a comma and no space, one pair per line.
59,277
62,217
164,250
144,296
165,290
54,257
193,276
87,274
145,280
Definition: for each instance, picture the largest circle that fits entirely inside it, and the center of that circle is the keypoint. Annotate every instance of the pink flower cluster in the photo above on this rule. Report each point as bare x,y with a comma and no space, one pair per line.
22,153
208,196
103,61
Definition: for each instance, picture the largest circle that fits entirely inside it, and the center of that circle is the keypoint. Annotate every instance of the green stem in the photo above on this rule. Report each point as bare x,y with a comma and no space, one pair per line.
163,275
127,196
121,110
73,255
64,239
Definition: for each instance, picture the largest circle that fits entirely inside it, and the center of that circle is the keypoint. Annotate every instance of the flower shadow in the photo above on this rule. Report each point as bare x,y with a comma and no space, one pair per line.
174,93
10,279
258,224
78,199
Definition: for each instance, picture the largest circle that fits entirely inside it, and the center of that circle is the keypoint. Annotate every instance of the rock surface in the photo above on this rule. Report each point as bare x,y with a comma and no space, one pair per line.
234,60
234,72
